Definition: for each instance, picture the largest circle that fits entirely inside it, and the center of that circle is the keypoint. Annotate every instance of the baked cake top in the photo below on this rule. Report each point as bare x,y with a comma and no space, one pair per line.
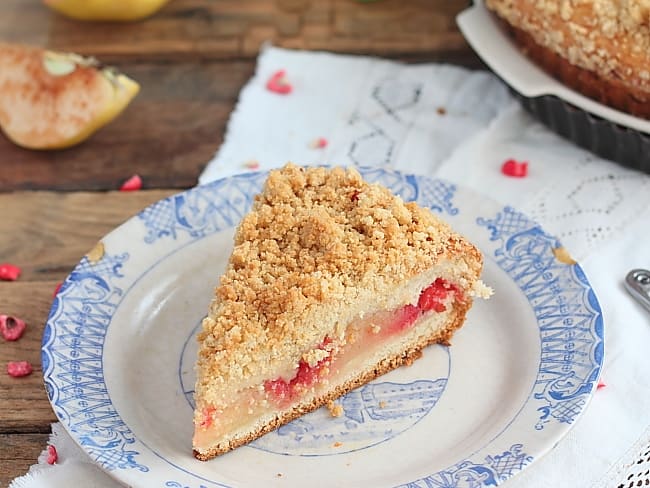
314,240
608,37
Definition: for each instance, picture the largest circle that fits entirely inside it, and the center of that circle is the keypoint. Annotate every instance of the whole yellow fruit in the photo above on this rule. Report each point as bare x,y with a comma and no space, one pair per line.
51,100
120,10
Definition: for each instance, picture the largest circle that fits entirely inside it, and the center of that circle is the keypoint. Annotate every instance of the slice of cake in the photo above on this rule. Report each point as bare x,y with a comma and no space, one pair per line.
331,283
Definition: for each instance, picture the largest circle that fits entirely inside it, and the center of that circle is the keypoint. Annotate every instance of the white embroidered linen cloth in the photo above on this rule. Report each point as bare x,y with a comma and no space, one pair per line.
452,123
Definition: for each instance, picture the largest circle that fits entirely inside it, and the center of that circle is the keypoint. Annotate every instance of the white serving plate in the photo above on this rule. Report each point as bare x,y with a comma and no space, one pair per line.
118,353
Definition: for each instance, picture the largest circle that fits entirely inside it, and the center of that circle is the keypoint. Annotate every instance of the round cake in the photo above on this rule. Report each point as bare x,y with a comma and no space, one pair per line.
600,48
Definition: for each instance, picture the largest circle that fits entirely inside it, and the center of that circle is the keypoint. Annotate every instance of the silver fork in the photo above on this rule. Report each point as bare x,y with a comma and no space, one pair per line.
637,283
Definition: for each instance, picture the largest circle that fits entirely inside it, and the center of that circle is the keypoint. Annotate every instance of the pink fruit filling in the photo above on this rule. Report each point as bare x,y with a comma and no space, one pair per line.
384,324
362,335
433,296
282,390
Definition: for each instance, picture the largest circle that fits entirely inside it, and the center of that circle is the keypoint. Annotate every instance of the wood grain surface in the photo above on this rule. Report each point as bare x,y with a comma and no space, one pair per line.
18,452
227,29
167,134
191,59
46,233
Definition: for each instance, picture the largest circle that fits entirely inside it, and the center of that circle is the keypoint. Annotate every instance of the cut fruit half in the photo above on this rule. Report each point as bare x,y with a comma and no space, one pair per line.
122,11
51,100
332,282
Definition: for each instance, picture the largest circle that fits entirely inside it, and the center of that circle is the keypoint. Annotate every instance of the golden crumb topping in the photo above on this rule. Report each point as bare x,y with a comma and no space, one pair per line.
335,409
608,37
315,240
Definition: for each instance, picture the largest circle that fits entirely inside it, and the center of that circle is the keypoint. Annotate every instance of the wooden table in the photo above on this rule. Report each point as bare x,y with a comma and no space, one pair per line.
191,59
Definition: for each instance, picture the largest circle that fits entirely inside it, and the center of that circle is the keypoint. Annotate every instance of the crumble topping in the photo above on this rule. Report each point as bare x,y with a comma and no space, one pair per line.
315,356
316,242
335,409
481,290
608,37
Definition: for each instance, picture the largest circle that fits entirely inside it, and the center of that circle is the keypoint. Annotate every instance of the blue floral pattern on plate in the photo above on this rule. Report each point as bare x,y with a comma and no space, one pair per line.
565,308
568,314
82,311
371,414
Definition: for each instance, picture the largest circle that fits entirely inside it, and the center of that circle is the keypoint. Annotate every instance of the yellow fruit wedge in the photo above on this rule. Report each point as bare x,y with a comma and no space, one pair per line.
51,100
124,10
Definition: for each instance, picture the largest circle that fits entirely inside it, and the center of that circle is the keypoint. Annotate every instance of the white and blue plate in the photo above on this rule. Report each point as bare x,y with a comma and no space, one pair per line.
118,353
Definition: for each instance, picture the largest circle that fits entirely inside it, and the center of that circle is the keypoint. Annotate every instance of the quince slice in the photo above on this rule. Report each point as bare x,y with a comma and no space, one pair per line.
124,10
51,100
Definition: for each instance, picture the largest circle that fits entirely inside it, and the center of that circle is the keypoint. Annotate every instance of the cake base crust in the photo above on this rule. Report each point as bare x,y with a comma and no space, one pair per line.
406,357
608,91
